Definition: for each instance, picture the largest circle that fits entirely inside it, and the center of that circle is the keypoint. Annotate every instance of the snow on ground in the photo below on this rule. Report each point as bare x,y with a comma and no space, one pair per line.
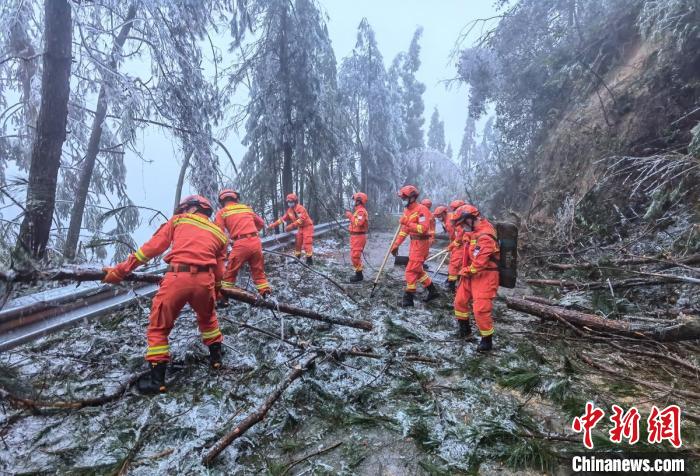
389,416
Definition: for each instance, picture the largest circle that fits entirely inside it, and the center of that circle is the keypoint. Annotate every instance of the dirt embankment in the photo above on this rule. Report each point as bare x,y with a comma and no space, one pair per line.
637,109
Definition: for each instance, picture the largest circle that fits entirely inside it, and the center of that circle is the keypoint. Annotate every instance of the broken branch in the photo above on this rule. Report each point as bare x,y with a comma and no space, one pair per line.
233,293
260,413
678,330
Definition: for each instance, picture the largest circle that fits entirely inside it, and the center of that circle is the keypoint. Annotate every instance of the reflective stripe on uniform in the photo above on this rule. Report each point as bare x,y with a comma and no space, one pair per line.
236,211
419,228
403,233
472,269
424,278
462,314
472,242
262,285
139,255
211,334
486,333
204,224
452,277
227,284
158,350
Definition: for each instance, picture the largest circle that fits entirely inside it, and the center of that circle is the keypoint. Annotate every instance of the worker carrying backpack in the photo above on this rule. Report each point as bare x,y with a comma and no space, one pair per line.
507,234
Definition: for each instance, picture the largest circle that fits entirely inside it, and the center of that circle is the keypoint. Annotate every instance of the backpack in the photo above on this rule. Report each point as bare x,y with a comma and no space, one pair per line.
507,234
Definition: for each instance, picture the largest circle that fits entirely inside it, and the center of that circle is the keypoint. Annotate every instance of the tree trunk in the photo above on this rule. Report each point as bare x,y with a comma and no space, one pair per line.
670,332
181,178
50,132
287,149
93,148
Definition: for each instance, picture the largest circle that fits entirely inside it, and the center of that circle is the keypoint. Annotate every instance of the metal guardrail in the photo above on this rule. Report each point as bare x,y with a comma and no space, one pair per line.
29,317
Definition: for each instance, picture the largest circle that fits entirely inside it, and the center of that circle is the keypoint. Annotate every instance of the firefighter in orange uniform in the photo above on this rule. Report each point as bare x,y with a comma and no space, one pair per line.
456,247
242,225
416,223
359,225
428,203
195,265
479,275
297,217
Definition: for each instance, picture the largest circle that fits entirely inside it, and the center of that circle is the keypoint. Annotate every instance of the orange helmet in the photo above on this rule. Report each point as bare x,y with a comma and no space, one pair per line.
464,212
202,203
408,191
227,193
426,202
440,210
455,204
292,197
362,197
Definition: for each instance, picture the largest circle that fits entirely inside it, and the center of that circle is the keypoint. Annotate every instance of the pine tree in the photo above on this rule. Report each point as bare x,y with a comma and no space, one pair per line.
374,119
404,68
436,132
290,131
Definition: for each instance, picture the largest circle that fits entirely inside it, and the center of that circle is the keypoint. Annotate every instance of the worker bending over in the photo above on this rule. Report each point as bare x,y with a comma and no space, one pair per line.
297,217
195,265
415,222
359,225
242,225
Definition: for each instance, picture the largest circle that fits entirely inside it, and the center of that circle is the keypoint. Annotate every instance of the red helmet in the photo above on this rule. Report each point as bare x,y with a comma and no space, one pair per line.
195,201
230,194
426,202
464,212
440,210
408,191
455,204
292,197
362,197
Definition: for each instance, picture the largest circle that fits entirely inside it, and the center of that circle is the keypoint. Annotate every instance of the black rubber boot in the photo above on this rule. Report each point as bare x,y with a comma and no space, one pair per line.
215,355
222,303
154,381
464,329
407,300
358,277
485,344
433,293
309,260
452,286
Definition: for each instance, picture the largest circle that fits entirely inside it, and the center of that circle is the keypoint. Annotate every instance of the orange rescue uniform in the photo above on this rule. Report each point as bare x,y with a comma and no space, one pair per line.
297,216
479,283
243,225
415,223
196,262
359,225
456,247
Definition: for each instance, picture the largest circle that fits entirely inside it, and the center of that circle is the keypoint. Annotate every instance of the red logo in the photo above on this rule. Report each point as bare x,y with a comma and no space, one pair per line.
665,425
587,422
661,425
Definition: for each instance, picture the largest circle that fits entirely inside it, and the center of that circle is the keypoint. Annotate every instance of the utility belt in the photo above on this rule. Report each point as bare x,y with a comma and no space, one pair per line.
246,235
356,233
419,237
188,268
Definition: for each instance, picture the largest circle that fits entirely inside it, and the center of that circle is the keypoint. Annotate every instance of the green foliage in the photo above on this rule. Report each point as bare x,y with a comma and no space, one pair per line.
521,379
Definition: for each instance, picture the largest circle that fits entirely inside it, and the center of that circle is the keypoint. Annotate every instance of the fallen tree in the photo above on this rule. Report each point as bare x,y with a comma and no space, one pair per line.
624,283
82,274
676,330
260,413
641,260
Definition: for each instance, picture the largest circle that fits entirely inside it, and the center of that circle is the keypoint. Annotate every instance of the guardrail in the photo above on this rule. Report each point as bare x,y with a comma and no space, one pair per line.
30,317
